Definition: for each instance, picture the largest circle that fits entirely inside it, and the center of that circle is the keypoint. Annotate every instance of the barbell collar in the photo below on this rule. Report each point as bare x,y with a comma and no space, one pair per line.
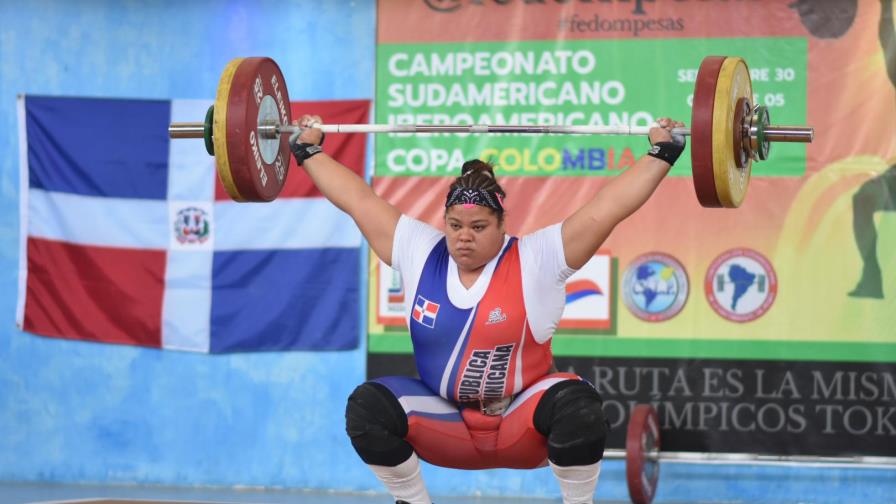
186,130
791,134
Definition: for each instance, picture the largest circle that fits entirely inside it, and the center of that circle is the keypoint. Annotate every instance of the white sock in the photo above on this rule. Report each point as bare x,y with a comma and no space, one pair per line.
404,481
577,483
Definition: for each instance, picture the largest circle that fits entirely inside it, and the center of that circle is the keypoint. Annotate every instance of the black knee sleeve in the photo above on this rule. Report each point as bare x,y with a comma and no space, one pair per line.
377,425
570,415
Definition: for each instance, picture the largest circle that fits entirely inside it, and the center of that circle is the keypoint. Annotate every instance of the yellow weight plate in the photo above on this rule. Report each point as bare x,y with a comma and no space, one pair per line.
733,83
219,130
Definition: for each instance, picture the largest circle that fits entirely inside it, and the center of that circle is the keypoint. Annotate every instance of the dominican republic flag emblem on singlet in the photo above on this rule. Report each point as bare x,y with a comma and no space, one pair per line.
425,311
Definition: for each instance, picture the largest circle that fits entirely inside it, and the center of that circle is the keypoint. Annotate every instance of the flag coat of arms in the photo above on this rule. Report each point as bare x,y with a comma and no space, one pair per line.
128,237
425,311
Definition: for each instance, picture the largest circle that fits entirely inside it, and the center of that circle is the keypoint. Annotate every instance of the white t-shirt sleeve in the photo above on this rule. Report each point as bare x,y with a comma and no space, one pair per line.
544,270
411,246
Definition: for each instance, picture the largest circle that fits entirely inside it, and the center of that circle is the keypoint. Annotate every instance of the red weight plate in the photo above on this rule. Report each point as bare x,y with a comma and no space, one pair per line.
642,447
701,131
258,165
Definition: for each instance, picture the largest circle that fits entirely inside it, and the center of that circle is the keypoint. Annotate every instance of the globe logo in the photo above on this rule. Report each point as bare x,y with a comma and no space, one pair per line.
741,285
655,287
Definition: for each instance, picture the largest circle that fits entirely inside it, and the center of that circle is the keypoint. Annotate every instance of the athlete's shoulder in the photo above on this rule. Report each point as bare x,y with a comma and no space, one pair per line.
413,242
414,231
544,241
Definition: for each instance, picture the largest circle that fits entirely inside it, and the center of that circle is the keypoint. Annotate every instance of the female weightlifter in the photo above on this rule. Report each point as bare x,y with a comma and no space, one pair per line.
483,311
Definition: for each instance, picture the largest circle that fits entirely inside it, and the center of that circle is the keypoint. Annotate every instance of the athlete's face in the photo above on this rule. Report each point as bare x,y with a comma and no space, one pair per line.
474,235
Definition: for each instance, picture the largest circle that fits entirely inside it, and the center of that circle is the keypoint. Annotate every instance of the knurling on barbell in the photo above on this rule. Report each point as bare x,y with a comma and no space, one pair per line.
247,130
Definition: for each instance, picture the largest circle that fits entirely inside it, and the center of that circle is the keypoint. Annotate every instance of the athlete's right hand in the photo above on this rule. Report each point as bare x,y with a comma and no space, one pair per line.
310,133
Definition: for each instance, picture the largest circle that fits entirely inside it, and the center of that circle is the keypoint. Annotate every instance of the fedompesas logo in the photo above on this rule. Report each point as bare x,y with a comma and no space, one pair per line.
454,5
638,6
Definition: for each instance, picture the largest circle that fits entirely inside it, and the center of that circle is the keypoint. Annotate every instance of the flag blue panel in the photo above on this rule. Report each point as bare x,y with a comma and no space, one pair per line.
268,300
111,148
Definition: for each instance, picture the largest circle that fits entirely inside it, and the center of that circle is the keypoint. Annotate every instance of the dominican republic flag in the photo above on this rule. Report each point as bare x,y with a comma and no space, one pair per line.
128,237
425,311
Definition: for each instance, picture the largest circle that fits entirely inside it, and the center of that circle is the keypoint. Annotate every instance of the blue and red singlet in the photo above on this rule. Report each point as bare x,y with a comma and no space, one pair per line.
476,349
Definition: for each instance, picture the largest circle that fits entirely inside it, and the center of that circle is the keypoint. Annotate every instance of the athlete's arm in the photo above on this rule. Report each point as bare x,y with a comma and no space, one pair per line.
375,217
585,230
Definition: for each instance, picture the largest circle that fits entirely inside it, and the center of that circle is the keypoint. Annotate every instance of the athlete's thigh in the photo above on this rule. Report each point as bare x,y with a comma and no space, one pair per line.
436,429
520,445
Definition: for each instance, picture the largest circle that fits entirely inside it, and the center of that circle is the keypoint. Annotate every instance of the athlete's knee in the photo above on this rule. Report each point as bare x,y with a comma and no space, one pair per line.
377,425
571,416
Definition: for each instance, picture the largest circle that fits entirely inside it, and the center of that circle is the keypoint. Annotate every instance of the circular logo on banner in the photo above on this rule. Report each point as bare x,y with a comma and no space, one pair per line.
655,287
191,225
741,285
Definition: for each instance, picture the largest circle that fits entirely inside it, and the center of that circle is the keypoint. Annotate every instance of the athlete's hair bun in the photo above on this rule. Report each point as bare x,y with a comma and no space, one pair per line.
476,165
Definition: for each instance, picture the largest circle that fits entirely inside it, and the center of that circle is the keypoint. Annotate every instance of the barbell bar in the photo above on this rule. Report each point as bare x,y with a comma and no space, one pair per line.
197,130
643,455
246,130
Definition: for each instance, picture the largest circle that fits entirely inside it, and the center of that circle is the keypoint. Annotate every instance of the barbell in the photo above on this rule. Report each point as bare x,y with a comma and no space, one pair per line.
642,454
247,128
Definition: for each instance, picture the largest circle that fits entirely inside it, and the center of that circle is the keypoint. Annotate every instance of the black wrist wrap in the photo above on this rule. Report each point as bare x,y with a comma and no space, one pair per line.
666,151
303,151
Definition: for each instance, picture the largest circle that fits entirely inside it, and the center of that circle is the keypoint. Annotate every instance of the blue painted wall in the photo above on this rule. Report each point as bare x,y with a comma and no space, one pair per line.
82,412
78,412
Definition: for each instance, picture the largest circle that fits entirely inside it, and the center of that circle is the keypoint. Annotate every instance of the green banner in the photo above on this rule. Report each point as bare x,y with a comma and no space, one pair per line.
581,82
